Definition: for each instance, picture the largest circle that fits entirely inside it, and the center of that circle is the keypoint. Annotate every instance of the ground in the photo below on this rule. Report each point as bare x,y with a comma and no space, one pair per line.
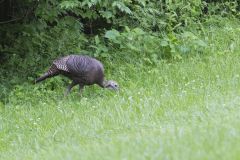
183,109
174,111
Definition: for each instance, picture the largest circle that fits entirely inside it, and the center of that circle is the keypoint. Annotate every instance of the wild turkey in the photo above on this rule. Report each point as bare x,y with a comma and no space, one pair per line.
82,70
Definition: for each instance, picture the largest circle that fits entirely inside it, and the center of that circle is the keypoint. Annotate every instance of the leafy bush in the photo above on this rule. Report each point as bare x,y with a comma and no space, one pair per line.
35,32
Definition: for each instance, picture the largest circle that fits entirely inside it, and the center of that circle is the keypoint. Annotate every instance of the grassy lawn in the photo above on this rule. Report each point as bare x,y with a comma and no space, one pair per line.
187,109
184,110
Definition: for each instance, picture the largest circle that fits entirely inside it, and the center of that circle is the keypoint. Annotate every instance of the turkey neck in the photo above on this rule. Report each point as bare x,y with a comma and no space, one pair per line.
104,83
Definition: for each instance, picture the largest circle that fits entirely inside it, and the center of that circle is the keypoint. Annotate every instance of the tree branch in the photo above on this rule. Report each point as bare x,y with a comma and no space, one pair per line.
19,18
2,1
12,20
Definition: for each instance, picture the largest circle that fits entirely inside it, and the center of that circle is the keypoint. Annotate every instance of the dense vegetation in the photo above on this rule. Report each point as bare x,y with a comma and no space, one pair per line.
35,32
177,62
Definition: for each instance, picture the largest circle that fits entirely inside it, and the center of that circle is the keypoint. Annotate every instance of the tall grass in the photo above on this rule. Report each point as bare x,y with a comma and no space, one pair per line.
185,109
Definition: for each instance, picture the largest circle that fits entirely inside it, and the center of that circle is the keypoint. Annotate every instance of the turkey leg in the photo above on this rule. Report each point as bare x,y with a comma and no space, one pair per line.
69,88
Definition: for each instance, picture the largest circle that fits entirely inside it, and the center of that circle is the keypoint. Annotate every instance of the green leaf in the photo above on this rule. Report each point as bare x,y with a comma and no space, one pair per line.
201,43
69,4
97,40
122,7
106,14
139,31
164,43
112,34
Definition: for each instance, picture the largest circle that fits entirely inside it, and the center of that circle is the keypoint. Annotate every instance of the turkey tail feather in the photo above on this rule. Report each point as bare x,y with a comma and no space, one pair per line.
53,71
43,77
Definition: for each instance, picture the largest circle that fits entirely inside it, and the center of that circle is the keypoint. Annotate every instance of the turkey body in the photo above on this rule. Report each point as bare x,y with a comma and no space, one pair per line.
82,70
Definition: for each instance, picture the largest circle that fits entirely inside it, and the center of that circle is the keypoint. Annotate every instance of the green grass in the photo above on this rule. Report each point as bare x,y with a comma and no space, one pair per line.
184,110
188,109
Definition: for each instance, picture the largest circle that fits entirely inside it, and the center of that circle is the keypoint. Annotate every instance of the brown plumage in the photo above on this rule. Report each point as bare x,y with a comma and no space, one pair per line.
82,70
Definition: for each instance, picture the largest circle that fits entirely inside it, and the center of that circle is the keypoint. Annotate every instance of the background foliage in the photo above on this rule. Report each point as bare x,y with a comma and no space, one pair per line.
137,31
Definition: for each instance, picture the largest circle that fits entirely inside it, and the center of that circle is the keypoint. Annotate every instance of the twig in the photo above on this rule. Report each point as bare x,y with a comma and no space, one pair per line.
25,15
12,20
2,1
